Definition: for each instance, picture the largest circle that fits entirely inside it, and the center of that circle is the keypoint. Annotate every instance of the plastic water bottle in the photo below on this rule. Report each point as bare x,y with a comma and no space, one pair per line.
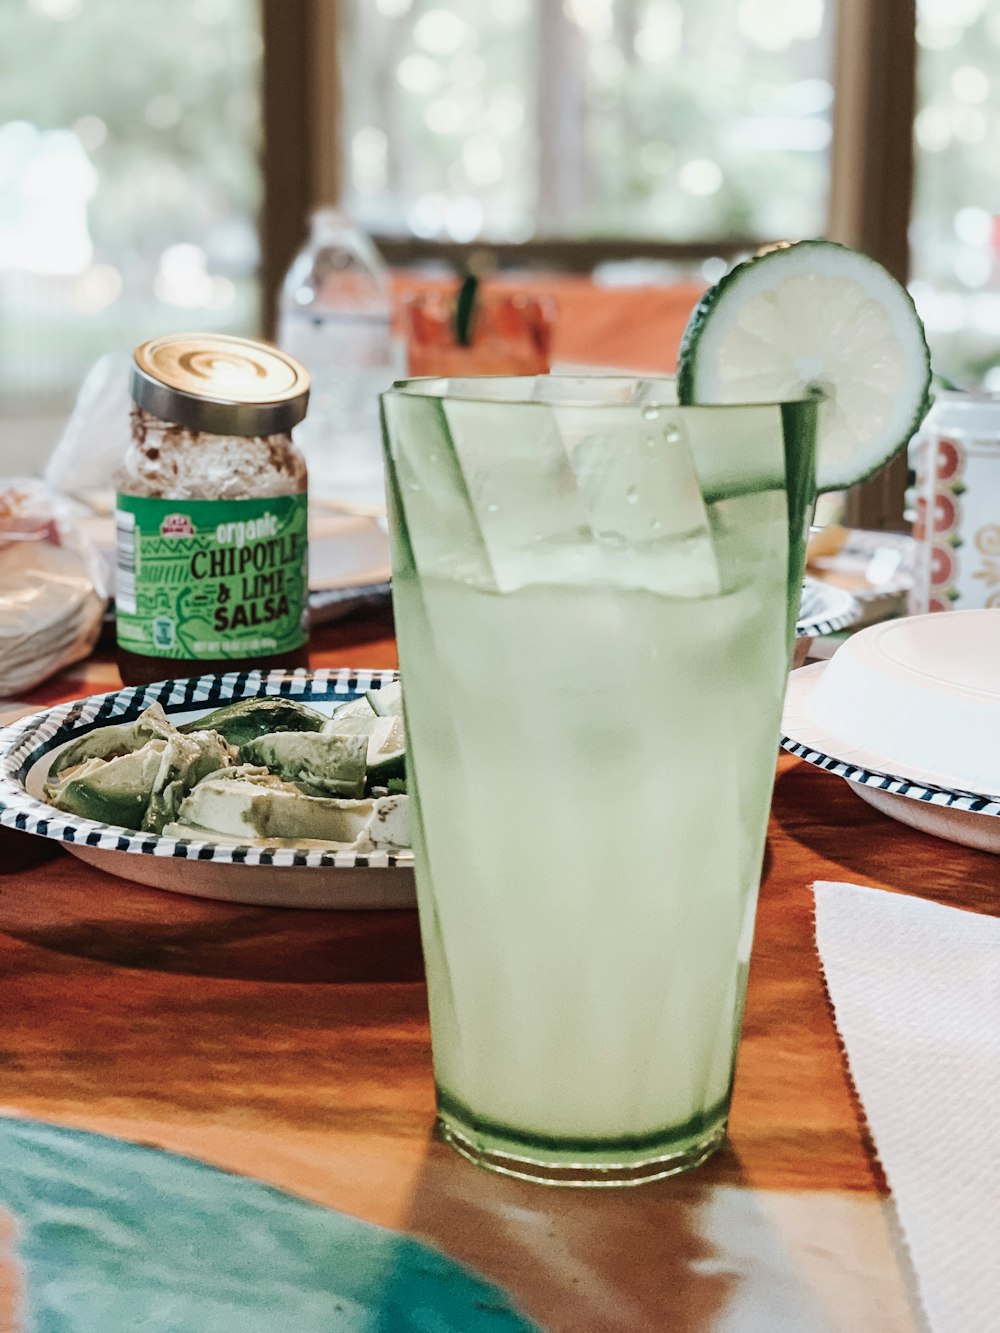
335,316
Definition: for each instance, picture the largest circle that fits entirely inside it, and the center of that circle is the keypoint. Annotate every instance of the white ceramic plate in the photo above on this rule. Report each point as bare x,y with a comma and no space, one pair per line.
263,876
924,801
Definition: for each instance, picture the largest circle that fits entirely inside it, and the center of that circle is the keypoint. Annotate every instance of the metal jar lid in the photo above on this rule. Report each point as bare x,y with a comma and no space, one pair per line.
219,384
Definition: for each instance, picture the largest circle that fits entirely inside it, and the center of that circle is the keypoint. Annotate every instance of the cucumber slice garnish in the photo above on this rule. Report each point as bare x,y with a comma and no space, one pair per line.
815,318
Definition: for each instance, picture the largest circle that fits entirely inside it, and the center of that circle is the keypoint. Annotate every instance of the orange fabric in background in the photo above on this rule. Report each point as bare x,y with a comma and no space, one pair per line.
634,328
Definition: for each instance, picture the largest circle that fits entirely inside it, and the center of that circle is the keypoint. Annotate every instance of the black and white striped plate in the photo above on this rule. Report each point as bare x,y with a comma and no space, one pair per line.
824,609
266,876
933,806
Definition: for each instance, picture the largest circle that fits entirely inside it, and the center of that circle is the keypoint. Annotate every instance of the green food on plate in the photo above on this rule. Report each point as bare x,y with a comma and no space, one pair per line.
266,771
135,774
326,764
248,718
112,742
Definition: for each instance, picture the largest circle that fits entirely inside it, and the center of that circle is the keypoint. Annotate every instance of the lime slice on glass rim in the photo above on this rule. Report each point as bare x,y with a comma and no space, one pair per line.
815,317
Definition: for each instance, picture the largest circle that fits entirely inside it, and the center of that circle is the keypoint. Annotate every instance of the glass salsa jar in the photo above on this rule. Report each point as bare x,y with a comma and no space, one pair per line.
211,511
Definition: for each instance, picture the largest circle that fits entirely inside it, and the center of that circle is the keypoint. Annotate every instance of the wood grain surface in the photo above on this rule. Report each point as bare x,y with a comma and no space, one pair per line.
294,1047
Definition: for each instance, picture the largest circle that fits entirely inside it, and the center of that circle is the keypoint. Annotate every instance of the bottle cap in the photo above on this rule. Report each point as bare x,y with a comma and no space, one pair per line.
219,384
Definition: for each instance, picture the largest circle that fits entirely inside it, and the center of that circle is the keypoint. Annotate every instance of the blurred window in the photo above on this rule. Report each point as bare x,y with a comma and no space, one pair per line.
955,233
129,184
130,132
663,120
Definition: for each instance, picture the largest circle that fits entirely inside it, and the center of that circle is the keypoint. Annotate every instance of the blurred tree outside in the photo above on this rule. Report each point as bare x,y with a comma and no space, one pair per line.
955,233
130,132
129,181
668,120
652,119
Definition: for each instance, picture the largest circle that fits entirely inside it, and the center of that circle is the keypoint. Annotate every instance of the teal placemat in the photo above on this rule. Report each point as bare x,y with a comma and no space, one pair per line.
115,1238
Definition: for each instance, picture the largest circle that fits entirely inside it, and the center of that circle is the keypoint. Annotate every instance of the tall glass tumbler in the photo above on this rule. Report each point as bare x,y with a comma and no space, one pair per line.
594,593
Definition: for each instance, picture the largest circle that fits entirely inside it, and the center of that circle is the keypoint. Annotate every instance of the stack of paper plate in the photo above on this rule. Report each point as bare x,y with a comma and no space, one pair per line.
909,712
50,612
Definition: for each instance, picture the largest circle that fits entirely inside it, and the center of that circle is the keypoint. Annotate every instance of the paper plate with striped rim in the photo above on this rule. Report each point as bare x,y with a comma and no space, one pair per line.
824,609
969,818
263,876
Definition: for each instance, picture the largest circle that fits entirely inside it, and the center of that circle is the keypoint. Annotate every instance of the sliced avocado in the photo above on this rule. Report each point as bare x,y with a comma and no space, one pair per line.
184,762
248,718
356,718
138,786
112,742
354,708
113,791
387,751
387,701
251,807
331,765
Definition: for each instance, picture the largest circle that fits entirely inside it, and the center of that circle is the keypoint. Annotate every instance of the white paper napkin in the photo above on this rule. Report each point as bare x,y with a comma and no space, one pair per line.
915,989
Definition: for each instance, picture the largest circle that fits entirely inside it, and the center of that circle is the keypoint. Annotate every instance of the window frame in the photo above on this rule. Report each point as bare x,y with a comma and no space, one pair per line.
871,171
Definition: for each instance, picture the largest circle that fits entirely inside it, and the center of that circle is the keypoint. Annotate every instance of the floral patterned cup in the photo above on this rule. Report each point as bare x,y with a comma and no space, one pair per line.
957,523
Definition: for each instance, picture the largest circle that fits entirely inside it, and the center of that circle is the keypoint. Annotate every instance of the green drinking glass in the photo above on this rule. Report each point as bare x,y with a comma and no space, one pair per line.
595,593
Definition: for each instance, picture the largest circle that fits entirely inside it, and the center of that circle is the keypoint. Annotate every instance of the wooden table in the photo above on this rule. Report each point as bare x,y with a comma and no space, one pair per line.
293,1047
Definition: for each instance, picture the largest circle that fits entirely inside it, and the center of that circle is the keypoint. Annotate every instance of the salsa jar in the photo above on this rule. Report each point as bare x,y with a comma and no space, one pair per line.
211,511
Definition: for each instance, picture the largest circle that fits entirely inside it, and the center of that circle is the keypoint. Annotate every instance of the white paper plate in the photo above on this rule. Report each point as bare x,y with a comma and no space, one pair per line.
264,876
924,800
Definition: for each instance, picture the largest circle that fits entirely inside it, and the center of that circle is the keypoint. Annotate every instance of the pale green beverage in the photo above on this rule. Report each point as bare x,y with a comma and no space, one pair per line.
594,644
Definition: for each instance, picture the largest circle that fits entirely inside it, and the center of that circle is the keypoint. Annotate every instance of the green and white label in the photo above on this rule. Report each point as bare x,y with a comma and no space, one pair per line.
207,579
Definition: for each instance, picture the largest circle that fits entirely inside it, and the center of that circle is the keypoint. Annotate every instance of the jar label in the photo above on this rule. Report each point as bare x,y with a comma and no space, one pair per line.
203,579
